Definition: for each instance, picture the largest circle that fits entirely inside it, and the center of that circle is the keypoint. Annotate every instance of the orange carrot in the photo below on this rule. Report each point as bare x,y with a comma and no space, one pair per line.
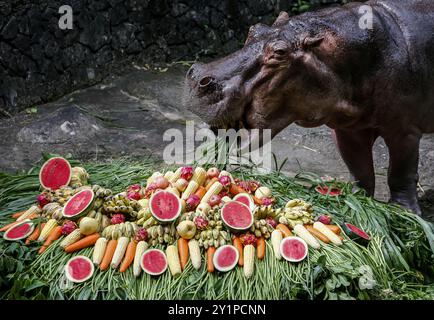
35,234
200,192
235,189
18,214
83,243
209,256
257,201
284,229
239,246
210,183
129,256
335,228
183,252
108,254
260,248
9,225
55,234
317,234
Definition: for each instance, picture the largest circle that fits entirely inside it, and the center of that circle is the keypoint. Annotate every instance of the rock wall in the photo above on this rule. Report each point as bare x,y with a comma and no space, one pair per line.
40,62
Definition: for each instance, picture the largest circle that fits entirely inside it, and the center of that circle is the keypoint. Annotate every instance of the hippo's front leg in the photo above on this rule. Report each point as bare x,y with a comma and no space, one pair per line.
403,165
355,148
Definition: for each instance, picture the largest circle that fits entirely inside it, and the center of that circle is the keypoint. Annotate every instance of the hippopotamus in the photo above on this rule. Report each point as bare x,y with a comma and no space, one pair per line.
325,68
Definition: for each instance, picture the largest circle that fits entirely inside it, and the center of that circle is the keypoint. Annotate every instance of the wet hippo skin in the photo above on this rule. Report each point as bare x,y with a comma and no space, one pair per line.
323,68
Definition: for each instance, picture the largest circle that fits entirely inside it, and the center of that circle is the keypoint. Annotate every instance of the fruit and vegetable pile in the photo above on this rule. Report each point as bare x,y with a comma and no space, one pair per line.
193,232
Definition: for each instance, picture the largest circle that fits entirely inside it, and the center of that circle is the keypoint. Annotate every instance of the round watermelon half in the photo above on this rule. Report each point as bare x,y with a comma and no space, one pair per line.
19,231
154,262
225,258
246,199
356,234
165,206
55,173
79,204
79,269
331,191
293,249
236,216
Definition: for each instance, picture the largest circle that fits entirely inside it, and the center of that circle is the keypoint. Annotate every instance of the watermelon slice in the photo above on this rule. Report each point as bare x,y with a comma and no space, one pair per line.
165,206
55,173
225,258
154,262
356,234
246,199
79,204
19,231
236,216
293,249
331,191
79,269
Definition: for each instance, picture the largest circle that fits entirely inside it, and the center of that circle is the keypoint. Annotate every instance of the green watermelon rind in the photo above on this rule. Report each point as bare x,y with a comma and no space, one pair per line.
46,163
159,218
70,278
32,227
232,228
84,211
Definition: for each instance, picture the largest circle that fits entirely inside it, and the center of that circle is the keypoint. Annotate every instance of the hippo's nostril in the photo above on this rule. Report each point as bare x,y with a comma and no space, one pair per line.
206,81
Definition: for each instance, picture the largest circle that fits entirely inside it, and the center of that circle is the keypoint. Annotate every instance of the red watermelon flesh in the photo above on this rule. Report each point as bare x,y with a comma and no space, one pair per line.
55,173
293,249
245,199
237,216
19,231
225,258
165,206
154,262
78,203
331,191
79,269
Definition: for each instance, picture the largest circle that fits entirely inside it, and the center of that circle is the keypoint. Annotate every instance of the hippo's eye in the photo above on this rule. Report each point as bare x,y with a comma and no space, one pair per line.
279,52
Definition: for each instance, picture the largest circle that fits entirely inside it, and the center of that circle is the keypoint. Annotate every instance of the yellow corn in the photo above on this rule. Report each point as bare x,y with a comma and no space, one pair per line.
71,238
173,190
173,260
140,249
199,176
176,175
215,188
49,226
181,184
168,175
121,247
276,239
99,250
195,256
249,260
203,208
29,212
191,188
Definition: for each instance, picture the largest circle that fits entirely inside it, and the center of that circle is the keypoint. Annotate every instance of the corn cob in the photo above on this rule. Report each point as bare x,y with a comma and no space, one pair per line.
168,175
328,233
99,250
32,210
214,189
302,232
276,239
249,260
195,256
176,175
49,226
181,184
173,260
199,176
71,238
173,190
119,252
203,208
191,188
140,249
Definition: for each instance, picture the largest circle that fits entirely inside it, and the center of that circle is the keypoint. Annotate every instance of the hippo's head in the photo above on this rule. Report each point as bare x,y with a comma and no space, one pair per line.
278,77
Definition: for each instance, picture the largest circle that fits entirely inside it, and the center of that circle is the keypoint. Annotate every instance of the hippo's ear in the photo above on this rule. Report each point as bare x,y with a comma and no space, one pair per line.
281,19
311,42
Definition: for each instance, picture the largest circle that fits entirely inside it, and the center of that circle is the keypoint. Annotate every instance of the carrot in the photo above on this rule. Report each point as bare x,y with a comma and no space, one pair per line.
83,243
317,233
55,234
335,228
235,189
35,234
257,201
200,192
108,254
284,229
210,183
129,256
260,248
183,252
9,225
209,256
239,246
18,214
